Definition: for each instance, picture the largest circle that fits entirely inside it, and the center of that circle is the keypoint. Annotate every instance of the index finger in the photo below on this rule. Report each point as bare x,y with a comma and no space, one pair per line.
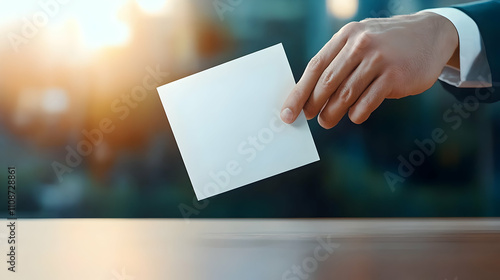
302,90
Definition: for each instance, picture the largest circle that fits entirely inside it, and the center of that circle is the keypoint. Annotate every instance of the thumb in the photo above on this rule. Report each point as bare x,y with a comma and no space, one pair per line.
293,104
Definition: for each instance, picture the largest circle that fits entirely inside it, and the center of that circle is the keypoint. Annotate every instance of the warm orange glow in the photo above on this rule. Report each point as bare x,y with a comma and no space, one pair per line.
97,21
69,66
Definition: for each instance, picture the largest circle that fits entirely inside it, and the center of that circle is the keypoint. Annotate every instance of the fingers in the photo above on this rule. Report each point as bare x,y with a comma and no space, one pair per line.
370,100
334,75
344,77
347,94
302,90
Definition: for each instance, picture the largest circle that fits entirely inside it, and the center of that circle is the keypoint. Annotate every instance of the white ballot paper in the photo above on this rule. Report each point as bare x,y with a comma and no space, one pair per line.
226,123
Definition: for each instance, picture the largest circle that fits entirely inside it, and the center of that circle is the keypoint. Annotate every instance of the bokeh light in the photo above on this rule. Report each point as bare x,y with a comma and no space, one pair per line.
76,69
343,9
55,101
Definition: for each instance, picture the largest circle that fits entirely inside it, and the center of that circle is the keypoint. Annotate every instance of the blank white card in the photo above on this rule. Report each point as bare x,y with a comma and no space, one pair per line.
227,126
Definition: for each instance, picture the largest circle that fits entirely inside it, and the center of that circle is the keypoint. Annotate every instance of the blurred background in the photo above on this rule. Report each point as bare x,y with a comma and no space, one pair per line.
68,66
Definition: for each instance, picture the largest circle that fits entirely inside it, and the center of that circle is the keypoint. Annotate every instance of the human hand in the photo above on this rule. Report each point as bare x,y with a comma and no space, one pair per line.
366,62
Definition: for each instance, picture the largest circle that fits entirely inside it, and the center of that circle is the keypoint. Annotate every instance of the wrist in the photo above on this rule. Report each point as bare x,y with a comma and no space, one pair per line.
446,38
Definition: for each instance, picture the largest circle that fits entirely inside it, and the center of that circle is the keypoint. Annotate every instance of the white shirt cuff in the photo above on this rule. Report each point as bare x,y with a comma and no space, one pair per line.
474,69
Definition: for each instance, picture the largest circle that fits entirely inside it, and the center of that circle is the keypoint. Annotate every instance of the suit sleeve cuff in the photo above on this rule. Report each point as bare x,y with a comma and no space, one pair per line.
474,69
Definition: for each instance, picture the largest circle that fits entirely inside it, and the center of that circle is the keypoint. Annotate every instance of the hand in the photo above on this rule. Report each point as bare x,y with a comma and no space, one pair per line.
368,61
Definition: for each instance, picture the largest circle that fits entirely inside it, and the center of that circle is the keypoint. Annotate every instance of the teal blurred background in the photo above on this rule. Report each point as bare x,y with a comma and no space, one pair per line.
66,66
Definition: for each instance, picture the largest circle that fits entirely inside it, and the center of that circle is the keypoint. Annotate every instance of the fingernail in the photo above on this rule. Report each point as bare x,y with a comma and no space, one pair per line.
287,115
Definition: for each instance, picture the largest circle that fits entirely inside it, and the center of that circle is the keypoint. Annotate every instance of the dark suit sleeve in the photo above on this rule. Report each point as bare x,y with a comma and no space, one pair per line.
486,14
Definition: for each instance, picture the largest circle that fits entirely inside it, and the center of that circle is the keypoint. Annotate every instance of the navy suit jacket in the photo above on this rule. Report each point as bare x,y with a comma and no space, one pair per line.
486,14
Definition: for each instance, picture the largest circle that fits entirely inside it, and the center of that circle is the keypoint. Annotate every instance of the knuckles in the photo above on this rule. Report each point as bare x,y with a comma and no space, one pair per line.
346,95
315,63
364,40
351,27
328,80
363,44
378,58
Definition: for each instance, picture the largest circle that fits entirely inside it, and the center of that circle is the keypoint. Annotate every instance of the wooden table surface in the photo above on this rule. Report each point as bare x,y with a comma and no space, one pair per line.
452,249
